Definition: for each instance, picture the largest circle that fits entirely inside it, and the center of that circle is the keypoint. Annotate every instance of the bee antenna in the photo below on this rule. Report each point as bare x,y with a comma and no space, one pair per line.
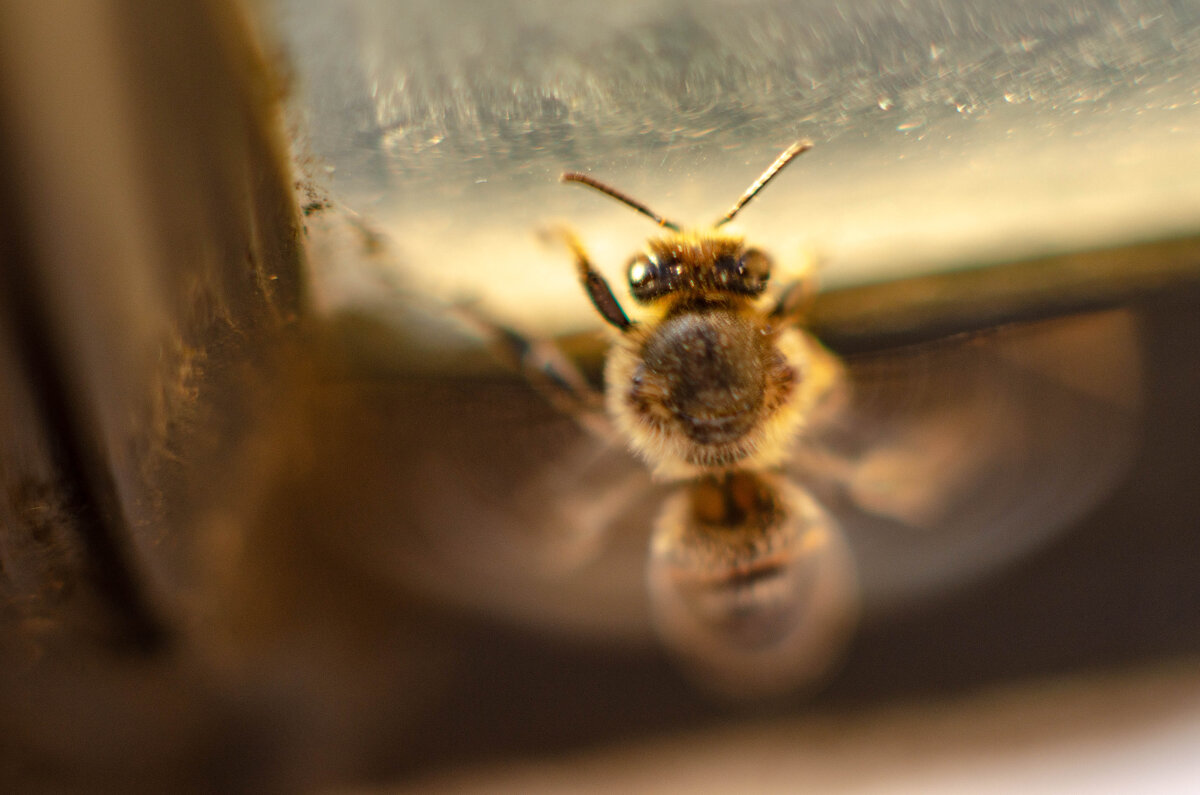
789,154
584,179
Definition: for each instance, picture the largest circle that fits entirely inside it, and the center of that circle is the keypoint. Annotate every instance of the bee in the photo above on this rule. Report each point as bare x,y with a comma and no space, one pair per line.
709,386
766,450
710,390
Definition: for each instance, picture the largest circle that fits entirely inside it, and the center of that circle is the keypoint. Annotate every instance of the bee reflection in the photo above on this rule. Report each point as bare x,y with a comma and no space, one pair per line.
751,578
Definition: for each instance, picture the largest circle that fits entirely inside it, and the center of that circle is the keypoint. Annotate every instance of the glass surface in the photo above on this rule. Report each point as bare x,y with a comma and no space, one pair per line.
945,134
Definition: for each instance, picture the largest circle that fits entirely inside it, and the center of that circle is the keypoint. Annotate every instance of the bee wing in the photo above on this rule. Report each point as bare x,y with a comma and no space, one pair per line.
506,506
948,461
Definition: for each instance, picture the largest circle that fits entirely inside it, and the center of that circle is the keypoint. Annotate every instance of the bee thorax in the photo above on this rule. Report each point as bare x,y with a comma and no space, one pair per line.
707,390
708,371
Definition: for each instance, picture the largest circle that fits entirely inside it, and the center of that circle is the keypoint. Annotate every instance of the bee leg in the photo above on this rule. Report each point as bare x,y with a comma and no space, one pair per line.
791,305
543,364
793,302
797,296
595,285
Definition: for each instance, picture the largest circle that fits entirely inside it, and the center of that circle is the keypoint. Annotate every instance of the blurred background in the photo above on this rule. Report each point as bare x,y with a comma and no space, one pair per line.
272,518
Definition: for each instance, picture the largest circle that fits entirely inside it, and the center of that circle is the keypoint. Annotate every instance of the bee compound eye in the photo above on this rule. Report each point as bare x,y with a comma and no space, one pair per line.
645,277
640,271
755,266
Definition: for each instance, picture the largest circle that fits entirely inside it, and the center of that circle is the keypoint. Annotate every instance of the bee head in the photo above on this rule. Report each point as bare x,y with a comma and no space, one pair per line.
697,265
706,264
